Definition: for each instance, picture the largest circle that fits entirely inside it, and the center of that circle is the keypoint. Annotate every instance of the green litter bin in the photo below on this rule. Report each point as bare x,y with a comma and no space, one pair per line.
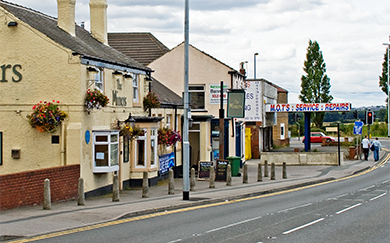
235,164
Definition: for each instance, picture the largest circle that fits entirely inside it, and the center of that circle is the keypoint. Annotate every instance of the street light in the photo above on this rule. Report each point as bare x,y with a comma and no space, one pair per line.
254,56
388,87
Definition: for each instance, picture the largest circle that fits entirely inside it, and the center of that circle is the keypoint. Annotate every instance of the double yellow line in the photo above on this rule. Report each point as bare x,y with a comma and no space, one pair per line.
116,222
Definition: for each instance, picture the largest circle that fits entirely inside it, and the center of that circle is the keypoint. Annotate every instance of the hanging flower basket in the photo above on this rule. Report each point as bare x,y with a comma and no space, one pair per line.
131,133
168,137
151,100
95,100
46,116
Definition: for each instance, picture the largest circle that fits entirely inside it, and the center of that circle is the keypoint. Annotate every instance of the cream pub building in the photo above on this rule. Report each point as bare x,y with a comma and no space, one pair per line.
46,59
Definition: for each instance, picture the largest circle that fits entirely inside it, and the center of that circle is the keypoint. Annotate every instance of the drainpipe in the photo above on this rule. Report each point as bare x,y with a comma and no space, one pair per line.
63,147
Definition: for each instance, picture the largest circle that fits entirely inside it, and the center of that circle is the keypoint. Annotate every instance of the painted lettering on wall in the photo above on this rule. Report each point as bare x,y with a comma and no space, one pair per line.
116,100
10,72
308,107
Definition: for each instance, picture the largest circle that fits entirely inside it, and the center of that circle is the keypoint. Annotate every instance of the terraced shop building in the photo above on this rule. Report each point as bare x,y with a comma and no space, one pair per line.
51,60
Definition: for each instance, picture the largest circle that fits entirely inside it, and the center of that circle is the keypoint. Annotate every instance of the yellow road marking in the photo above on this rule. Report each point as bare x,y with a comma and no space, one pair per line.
122,221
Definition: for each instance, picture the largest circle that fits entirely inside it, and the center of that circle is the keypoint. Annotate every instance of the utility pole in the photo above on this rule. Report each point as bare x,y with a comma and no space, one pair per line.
221,126
186,143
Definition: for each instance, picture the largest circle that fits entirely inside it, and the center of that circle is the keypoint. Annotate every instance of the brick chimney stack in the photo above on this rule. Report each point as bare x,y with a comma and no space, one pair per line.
98,13
66,15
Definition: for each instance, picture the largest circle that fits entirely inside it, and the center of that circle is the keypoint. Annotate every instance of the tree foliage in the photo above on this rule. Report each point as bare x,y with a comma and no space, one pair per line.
315,85
383,79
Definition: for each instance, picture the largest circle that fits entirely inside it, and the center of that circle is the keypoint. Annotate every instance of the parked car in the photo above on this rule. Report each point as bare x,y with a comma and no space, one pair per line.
316,137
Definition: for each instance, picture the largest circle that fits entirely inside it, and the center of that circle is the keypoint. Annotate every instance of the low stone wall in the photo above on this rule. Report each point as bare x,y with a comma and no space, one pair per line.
26,188
310,158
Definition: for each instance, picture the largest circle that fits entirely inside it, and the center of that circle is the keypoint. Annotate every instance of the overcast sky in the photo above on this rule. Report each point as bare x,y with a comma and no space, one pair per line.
350,33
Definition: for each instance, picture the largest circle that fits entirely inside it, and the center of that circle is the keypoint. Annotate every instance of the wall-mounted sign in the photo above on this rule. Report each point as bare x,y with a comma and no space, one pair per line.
87,136
308,107
119,101
215,94
253,102
236,103
9,72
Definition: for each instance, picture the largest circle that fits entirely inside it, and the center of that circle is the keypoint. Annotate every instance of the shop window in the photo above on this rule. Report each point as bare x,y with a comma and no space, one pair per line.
1,148
135,88
140,152
99,79
105,151
153,147
197,97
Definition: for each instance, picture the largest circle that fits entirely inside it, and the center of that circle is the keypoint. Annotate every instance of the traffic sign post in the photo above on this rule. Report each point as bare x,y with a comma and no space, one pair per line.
357,129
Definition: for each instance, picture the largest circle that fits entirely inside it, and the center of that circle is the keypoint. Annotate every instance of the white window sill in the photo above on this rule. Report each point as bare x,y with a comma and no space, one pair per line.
105,169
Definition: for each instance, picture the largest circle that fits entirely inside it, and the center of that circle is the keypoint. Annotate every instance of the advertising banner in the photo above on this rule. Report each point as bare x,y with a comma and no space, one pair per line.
167,161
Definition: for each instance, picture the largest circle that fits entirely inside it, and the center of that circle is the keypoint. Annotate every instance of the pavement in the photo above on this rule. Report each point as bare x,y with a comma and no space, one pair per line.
33,220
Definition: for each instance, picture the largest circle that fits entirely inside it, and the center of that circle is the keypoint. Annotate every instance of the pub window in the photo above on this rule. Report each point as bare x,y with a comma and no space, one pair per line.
153,147
99,79
140,152
197,96
1,148
105,151
135,88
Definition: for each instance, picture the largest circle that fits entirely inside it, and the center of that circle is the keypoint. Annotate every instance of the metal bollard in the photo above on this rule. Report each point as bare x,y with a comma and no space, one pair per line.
81,195
245,174
171,184
115,188
192,181
273,171
145,185
284,170
229,175
266,168
46,195
212,177
259,172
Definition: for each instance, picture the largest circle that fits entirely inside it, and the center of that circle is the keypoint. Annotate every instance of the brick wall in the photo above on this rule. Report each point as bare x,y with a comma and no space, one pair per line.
26,188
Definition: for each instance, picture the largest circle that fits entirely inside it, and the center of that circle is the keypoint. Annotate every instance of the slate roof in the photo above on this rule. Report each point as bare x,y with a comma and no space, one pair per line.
142,47
166,96
83,43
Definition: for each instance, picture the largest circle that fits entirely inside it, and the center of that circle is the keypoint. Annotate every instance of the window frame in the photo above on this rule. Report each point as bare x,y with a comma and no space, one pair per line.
126,149
135,86
99,79
153,144
202,90
110,145
144,138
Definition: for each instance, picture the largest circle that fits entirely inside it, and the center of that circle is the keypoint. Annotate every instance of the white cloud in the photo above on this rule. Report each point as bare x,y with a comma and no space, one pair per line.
350,35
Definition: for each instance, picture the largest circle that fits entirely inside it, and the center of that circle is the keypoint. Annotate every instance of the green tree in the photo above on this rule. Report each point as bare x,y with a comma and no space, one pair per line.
315,84
383,78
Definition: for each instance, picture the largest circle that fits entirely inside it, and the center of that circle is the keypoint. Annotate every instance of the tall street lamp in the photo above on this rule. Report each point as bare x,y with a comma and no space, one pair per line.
388,87
254,56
